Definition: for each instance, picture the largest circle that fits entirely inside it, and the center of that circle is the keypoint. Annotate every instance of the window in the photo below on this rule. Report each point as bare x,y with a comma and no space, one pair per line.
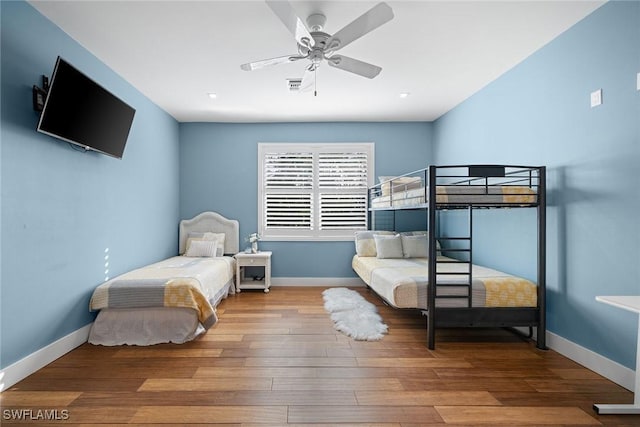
313,191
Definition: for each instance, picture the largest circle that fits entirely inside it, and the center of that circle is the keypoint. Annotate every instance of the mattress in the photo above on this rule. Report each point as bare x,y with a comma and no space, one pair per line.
137,316
479,195
403,284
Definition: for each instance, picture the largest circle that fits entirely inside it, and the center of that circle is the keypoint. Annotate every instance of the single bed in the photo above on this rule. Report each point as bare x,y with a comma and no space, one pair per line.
173,300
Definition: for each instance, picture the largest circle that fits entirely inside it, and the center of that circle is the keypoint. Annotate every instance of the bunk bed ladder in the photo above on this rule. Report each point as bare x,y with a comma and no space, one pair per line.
462,245
437,276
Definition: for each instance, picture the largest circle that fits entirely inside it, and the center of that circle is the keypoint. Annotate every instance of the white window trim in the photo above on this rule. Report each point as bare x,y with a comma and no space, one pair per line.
325,235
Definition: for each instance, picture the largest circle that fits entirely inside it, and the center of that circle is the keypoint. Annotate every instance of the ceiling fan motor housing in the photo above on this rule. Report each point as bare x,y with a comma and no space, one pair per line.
319,51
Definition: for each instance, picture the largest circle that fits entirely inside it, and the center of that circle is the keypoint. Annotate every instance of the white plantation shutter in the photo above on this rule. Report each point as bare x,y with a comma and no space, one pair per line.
288,181
288,211
342,180
340,170
288,170
343,211
313,191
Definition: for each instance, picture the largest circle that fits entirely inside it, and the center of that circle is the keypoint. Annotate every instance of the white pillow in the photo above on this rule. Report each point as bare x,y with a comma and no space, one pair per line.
415,246
202,248
217,237
365,244
388,246
422,233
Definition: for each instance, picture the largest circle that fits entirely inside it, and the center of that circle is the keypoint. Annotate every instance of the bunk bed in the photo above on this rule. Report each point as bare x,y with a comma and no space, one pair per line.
461,295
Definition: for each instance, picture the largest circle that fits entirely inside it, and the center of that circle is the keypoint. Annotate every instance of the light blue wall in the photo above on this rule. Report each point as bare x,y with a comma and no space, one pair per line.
61,209
538,113
218,171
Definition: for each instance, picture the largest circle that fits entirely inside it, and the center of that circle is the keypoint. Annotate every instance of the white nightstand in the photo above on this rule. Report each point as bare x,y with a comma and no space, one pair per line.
260,259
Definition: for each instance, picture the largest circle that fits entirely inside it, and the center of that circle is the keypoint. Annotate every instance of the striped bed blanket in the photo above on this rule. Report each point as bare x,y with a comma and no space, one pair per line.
176,282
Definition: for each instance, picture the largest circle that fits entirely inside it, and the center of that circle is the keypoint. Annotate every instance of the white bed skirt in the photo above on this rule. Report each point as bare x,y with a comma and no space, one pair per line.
145,327
152,325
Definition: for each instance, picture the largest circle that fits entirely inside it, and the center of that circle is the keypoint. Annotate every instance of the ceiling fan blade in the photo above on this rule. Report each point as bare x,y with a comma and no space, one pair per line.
308,80
290,19
269,62
354,66
369,21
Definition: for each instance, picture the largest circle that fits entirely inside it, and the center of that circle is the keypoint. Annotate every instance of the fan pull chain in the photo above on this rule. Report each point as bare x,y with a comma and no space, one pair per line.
315,81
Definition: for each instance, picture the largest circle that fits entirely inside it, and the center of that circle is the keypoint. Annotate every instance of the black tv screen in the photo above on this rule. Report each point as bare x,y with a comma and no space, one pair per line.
80,111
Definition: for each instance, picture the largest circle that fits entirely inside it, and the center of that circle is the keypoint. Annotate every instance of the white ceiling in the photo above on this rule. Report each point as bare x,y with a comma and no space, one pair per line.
441,52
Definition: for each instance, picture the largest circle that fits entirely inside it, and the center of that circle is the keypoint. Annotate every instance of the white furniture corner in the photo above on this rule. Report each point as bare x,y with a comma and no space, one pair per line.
629,303
259,259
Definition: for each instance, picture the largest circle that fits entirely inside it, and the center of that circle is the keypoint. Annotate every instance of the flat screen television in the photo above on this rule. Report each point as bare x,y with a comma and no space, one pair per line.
80,111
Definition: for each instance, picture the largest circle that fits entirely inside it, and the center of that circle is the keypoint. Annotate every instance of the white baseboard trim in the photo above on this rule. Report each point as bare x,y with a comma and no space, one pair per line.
317,281
21,369
599,364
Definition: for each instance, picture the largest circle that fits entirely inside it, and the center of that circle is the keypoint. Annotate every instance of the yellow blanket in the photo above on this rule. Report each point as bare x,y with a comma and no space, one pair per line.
184,292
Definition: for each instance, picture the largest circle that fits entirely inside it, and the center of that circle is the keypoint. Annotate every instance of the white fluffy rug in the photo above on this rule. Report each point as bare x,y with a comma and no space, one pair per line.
353,315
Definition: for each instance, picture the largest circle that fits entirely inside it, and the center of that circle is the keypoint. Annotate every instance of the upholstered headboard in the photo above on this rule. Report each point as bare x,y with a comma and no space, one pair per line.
214,223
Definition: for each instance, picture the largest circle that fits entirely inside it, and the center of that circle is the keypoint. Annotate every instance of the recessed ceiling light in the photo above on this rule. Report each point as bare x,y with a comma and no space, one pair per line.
212,95
404,94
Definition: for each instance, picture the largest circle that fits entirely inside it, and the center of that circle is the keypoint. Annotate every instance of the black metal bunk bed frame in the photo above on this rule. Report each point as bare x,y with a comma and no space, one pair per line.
481,180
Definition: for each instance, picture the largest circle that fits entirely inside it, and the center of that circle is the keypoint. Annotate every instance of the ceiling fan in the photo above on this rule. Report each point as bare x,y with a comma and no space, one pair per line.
316,46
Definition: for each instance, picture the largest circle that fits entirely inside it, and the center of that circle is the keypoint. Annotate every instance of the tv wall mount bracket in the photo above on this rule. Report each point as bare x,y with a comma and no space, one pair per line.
40,94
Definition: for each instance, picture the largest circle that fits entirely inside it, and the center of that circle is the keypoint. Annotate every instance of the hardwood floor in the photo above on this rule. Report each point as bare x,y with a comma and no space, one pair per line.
275,359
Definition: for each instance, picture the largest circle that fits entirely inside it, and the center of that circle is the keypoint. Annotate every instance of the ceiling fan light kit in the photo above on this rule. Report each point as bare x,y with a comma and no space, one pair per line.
317,46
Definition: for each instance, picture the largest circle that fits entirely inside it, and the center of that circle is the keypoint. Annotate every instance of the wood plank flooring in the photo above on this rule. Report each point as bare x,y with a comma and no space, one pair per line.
275,359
